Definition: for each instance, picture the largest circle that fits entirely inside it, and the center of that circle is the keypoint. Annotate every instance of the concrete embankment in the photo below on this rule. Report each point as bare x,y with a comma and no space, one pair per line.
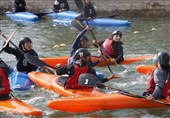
121,7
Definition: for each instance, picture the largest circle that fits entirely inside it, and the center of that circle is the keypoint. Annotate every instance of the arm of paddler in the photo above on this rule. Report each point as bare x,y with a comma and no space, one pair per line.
109,78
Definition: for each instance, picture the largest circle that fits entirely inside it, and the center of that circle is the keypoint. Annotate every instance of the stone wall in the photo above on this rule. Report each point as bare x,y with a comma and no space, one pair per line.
123,7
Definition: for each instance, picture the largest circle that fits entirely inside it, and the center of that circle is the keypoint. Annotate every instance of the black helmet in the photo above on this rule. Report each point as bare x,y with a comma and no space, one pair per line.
117,33
81,52
24,40
163,58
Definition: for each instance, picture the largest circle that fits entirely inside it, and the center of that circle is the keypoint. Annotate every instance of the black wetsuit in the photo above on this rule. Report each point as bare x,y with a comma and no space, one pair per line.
22,64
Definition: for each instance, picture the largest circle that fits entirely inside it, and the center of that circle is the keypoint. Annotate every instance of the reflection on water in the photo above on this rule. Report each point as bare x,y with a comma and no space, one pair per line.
145,36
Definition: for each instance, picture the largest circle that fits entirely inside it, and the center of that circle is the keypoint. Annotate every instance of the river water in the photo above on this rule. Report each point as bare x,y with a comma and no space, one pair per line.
145,36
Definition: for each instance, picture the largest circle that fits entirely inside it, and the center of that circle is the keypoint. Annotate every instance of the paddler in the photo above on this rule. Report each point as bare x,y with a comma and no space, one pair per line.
159,81
81,41
4,82
25,46
89,13
19,6
112,47
60,6
79,66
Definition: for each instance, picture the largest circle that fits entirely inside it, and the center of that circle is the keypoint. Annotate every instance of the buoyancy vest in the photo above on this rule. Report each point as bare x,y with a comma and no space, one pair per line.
4,84
72,82
151,86
107,48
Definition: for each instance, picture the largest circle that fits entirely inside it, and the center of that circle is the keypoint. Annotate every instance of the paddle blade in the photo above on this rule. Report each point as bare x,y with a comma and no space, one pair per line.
33,60
77,24
87,79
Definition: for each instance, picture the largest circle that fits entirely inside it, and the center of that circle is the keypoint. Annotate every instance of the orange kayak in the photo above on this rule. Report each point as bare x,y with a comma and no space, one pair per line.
17,106
49,82
145,69
64,59
101,102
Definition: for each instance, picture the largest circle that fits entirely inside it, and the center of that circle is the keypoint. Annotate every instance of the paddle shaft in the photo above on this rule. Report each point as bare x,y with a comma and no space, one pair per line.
81,8
91,81
8,39
167,104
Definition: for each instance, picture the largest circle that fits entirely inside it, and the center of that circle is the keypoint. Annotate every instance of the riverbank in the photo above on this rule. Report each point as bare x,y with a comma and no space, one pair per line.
103,7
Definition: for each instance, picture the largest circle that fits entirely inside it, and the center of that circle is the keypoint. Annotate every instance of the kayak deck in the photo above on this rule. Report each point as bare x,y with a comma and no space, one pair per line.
17,106
49,82
101,102
22,16
52,61
145,69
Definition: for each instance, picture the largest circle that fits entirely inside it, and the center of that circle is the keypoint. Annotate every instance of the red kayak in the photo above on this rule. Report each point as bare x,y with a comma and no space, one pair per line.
52,61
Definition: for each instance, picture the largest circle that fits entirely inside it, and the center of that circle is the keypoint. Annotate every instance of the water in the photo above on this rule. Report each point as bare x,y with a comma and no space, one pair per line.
138,40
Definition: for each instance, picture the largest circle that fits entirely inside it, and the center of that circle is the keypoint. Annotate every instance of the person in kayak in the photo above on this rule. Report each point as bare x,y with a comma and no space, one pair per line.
159,81
89,13
111,47
81,41
4,82
19,6
25,46
60,6
76,68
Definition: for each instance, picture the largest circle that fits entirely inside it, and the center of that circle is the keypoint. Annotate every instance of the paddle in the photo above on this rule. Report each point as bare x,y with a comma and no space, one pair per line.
40,14
9,39
81,8
31,59
92,81
35,61
111,16
77,24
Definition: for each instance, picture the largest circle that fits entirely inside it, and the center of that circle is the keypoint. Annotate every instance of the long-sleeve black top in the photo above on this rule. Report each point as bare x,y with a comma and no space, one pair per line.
62,4
89,10
22,64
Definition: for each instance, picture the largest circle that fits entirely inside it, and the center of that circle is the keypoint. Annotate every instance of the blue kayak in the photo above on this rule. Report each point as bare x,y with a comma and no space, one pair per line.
63,15
19,81
97,22
22,16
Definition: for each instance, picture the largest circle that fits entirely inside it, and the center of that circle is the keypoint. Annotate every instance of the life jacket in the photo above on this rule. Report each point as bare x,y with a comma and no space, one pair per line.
72,82
107,48
4,84
151,86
